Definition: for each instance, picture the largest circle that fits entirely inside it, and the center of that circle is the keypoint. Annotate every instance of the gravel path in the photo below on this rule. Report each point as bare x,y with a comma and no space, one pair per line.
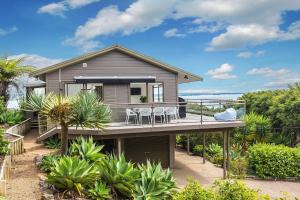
191,166
24,181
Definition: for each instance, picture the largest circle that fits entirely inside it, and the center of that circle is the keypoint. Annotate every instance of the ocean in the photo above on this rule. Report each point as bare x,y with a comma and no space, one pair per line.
222,96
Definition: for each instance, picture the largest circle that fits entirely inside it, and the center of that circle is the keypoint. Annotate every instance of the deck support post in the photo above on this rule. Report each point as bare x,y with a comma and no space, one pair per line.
119,146
224,154
228,151
188,144
203,151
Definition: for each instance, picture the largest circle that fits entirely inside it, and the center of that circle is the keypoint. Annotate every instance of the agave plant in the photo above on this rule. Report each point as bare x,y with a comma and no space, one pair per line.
52,143
119,175
72,174
155,183
99,191
86,149
47,163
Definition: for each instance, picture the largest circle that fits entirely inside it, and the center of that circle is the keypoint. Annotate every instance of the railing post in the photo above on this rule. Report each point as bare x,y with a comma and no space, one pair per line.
188,144
201,111
152,114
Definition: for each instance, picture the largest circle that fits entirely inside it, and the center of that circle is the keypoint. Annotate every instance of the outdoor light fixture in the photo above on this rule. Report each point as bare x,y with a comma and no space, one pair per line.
84,65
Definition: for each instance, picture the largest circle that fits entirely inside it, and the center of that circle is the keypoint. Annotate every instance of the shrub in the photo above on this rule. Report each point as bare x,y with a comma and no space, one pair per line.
47,163
86,149
99,191
193,191
72,174
119,175
238,167
4,150
154,183
214,149
236,190
52,143
198,150
276,161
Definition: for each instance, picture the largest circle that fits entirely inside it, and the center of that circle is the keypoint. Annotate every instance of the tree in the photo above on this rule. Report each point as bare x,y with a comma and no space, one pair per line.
84,110
10,69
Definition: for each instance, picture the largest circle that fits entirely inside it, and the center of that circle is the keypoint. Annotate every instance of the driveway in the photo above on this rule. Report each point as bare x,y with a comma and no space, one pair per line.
192,166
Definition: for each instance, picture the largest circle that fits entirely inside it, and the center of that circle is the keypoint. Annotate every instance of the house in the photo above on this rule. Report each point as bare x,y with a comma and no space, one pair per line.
128,81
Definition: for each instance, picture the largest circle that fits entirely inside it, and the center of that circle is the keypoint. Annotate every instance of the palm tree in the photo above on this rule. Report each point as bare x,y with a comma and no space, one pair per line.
10,69
84,110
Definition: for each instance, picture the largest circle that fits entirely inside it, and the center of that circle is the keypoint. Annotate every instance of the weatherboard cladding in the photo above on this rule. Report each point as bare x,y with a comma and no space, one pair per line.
114,63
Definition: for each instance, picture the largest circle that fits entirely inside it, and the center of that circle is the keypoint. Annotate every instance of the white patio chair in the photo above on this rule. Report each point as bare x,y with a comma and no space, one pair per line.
159,112
145,112
130,113
171,113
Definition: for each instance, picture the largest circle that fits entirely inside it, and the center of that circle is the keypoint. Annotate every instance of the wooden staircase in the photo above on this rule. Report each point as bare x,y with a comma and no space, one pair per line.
48,134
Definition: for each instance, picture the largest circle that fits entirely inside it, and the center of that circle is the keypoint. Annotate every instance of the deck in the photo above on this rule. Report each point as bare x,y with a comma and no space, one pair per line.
190,124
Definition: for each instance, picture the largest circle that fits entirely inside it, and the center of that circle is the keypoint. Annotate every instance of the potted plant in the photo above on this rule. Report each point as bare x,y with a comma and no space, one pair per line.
143,99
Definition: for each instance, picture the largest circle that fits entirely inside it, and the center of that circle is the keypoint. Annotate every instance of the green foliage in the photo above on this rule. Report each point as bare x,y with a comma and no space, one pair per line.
198,150
193,191
154,183
72,174
11,117
99,191
4,150
86,149
282,107
52,143
214,149
238,167
236,190
276,161
119,175
47,163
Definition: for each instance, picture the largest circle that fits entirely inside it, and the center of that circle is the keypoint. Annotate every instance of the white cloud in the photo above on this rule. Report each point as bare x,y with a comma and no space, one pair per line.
138,17
249,54
245,23
280,78
222,72
36,60
4,32
173,33
238,36
267,71
59,8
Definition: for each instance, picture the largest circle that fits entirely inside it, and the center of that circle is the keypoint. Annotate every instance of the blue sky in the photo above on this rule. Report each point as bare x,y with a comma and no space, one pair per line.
237,46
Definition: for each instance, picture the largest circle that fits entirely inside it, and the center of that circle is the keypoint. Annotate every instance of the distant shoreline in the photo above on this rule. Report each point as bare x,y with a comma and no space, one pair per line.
219,93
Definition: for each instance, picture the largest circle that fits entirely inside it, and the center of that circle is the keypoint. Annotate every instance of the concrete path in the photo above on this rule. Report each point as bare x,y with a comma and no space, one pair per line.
24,181
191,166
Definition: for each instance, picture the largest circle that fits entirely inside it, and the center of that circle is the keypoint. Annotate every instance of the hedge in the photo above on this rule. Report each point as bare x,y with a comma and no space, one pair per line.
276,161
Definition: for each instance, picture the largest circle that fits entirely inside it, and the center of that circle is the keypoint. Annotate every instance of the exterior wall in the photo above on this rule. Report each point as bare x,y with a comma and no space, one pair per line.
114,63
141,149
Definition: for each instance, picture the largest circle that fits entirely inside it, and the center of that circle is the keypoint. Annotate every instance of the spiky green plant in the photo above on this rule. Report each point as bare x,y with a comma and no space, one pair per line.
83,110
119,175
154,183
99,191
72,174
52,143
47,163
86,149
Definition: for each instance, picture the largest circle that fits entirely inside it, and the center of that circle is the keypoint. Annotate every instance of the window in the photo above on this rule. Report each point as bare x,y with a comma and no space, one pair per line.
71,89
158,92
135,91
97,88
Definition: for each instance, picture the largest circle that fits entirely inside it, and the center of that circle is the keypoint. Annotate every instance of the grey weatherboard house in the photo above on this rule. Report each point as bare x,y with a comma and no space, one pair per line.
131,84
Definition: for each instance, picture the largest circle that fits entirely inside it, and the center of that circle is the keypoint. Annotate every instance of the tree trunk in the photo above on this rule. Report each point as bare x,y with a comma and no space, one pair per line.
3,91
64,139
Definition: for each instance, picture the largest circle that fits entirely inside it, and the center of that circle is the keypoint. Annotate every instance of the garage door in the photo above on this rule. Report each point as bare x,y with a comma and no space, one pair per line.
156,149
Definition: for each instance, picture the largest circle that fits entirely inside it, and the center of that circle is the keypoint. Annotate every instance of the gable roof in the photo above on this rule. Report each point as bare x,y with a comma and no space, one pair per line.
183,76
